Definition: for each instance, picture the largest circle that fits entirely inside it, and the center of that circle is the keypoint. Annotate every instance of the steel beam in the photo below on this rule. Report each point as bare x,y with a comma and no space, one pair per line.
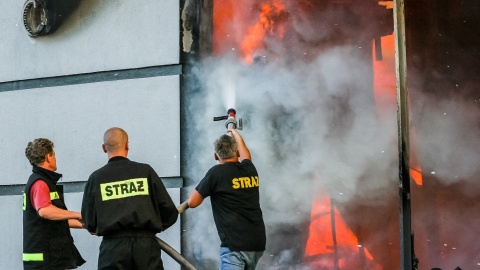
406,243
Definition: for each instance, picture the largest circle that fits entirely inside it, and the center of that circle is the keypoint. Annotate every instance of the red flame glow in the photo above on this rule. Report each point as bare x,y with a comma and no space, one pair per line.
384,77
332,242
268,24
385,92
245,33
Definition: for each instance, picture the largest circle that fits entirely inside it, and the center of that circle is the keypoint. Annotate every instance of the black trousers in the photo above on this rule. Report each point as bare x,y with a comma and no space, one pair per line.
130,252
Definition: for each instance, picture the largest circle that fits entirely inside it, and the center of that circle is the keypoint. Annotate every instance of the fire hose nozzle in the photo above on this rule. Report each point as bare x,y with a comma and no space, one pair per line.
231,118
231,123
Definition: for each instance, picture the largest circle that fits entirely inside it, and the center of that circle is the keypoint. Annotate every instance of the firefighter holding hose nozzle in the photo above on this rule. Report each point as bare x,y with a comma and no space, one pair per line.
233,186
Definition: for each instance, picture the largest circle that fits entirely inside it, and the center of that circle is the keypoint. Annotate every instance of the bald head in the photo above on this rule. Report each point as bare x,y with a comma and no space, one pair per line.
115,141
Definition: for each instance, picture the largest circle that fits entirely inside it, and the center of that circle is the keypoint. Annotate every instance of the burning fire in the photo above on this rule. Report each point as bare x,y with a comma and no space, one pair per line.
331,243
384,80
269,24
247,34
385,92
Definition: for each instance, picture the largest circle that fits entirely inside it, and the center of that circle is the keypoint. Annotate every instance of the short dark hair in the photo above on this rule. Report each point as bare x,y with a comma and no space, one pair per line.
37,150
225,147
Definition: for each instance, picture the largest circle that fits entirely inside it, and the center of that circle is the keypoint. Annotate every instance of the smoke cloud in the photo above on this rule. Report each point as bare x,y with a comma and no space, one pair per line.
309,126
447,136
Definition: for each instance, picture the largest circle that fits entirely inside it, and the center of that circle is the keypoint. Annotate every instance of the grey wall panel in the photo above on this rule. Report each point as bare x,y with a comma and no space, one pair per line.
75,117
98,36
11,234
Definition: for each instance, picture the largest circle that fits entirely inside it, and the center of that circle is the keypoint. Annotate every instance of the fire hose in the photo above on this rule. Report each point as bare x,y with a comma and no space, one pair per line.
171,251
175,255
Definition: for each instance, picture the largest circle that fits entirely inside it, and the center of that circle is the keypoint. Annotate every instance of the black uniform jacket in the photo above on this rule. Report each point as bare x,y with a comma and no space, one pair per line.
124,196
47,244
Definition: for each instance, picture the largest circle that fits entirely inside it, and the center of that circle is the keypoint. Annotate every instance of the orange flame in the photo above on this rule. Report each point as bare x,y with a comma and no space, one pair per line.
385,92
234,27
321,234
384,77
223,12
416,175
328,235
268,23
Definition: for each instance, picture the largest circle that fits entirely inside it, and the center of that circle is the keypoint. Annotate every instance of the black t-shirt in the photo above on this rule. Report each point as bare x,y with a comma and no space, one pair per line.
234,191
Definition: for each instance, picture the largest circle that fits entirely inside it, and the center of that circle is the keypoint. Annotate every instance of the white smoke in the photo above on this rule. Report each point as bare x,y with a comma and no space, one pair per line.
302,122
447,136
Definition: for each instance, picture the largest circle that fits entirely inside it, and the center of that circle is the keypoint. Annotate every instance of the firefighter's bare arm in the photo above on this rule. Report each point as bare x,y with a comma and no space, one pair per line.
75,223
54,213
242,148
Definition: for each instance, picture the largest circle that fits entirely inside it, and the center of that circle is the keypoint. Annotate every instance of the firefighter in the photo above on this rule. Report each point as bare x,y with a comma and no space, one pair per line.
126,203
233,186
47,242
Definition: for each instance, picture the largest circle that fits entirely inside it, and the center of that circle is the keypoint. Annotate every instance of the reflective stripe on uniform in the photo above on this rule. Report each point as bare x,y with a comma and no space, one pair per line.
123,189
36,257
24,201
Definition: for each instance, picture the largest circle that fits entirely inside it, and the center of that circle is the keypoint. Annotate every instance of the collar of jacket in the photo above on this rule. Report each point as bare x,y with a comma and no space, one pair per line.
51,175
117,158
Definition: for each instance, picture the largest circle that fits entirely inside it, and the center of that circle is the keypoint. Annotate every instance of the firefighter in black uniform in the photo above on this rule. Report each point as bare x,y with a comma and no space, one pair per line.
126,203
47,242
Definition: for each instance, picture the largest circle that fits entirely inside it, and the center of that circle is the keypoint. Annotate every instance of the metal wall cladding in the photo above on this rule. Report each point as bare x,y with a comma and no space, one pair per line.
96,36
75,117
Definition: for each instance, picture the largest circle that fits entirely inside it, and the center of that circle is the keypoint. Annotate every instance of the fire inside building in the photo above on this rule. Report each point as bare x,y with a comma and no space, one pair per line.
331,134
361,118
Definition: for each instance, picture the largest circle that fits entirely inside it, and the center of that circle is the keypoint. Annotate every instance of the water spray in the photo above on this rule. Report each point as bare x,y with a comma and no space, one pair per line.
231,118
